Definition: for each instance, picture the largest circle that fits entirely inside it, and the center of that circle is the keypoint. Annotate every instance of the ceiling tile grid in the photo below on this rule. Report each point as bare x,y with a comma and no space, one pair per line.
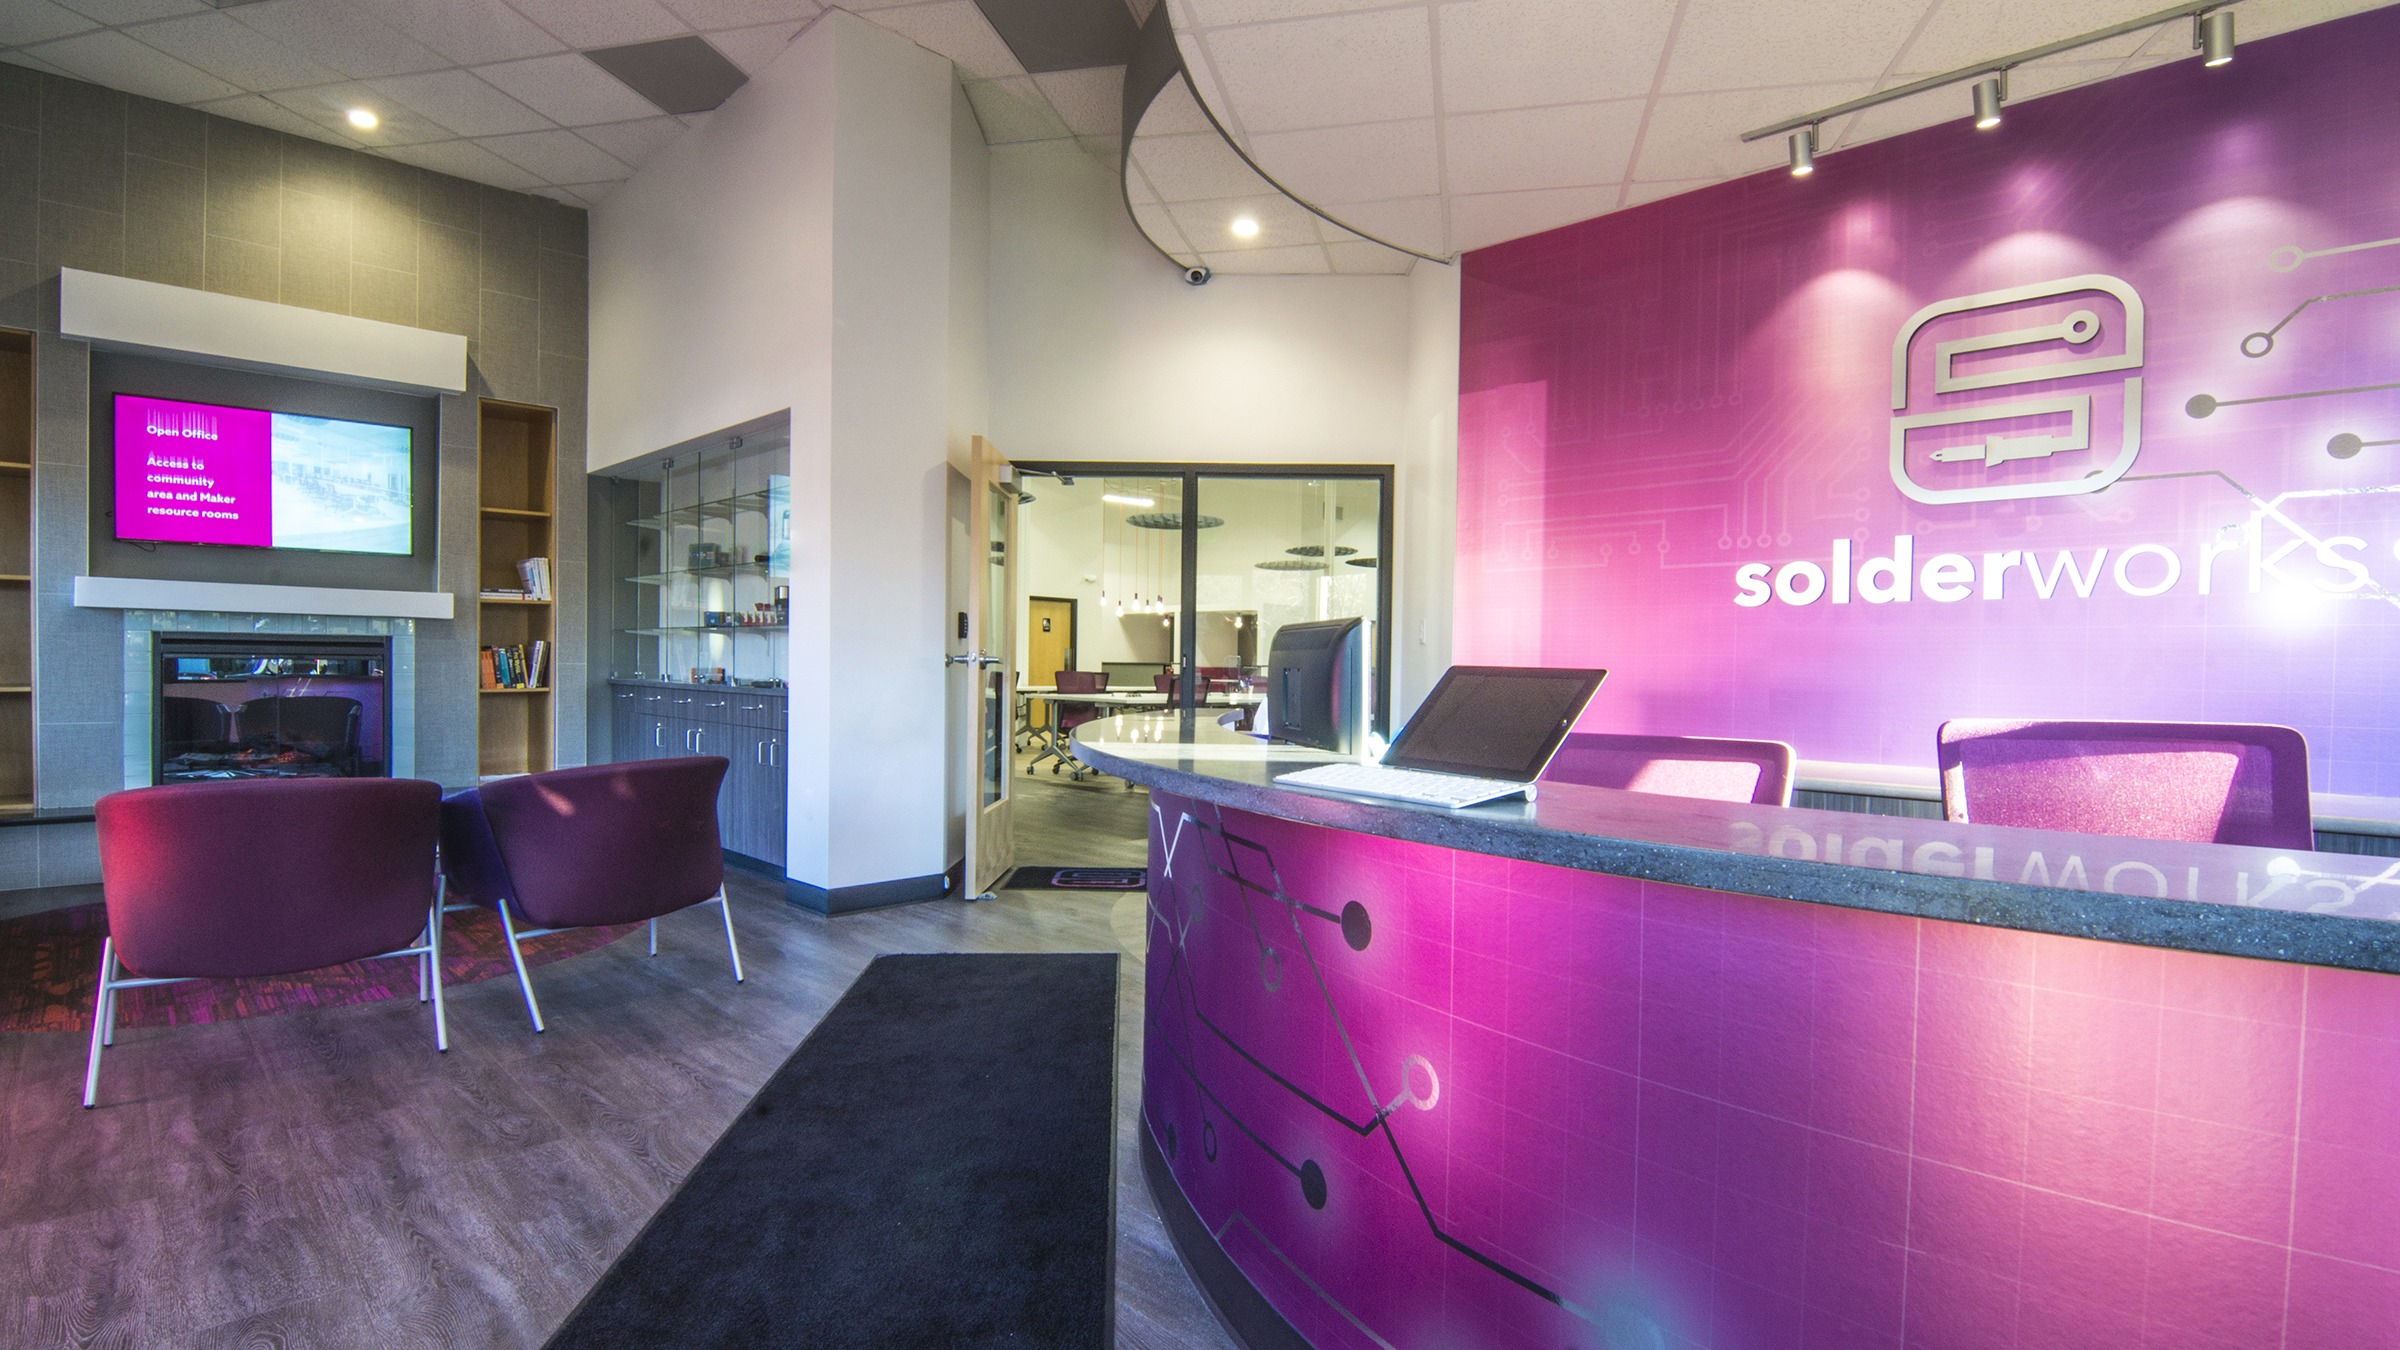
500,91
1502,118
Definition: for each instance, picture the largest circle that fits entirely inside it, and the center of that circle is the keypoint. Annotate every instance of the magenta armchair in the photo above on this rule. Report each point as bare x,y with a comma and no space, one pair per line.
265,877
2204,782
1677,766
580,848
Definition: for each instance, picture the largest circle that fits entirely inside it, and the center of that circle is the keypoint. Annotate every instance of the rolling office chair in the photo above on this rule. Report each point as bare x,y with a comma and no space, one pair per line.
1677,766
1065,717
2200,782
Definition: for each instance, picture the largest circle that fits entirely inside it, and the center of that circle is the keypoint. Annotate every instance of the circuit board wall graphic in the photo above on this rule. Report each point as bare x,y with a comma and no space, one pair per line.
1426,1100
1970,423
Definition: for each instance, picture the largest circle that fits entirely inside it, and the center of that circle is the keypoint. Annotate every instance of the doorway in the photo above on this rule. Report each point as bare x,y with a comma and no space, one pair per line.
1194,567
1049,645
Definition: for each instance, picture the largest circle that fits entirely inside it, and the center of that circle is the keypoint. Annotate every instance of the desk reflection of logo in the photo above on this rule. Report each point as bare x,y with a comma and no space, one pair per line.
2070,433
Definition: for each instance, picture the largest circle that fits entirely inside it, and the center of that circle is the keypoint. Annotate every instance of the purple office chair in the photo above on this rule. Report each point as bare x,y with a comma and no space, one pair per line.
2204,782
1677,766
211,881
583,848
1068,716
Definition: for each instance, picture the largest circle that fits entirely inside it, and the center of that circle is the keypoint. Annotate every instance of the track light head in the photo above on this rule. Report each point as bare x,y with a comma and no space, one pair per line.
1804,152
2212,34
1987,102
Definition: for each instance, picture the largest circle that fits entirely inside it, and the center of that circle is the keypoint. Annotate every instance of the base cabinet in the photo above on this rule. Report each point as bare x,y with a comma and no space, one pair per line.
746,726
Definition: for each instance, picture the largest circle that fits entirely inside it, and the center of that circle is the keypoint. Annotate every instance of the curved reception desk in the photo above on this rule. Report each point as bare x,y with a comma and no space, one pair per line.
1612,1071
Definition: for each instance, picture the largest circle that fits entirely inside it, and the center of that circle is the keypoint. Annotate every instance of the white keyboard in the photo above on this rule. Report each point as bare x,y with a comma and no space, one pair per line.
1405,785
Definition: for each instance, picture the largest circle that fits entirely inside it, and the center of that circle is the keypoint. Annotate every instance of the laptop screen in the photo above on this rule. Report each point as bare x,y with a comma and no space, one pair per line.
1494,721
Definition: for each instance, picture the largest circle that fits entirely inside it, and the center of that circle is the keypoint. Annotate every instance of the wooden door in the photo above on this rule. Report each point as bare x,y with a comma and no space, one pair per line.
990,659
1049,645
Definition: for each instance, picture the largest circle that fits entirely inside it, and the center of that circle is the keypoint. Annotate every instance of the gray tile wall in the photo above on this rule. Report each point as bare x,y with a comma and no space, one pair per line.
107,182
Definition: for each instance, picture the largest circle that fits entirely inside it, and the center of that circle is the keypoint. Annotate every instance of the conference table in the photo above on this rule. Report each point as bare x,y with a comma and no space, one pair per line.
1604,1067
1054,743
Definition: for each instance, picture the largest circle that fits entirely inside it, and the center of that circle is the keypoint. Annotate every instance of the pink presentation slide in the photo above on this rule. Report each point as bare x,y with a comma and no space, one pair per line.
194,472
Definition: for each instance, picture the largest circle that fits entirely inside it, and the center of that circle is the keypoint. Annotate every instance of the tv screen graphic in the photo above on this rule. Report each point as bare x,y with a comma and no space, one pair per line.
203,473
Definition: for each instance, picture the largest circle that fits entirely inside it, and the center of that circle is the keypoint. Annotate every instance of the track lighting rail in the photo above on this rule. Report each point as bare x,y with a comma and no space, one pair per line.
1983,70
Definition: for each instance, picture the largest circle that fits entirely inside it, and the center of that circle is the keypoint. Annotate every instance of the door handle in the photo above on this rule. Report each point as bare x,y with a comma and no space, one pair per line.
974,659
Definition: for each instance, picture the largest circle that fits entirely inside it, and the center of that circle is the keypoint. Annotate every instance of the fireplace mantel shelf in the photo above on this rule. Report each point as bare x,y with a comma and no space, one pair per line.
242,598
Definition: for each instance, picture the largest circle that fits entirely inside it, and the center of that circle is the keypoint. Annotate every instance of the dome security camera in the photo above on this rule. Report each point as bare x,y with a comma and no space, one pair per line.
1197,276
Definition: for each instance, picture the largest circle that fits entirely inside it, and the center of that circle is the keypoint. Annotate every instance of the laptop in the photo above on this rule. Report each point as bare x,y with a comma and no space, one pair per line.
1483,734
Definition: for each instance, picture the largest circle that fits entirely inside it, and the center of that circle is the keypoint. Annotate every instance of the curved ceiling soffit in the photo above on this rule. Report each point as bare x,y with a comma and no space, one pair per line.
1185,181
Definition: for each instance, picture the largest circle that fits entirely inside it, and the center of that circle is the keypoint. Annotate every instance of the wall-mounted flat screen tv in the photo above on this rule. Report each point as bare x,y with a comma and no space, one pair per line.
202,473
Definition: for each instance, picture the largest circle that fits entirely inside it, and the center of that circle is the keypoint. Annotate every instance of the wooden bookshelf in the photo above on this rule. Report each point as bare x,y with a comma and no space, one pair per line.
516,457
16,570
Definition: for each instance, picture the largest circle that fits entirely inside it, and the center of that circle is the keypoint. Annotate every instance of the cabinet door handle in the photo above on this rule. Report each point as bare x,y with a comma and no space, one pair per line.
656,731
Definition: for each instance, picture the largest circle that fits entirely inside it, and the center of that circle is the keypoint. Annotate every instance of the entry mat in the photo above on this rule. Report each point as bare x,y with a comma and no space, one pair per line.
1077,879
50,968
931,1168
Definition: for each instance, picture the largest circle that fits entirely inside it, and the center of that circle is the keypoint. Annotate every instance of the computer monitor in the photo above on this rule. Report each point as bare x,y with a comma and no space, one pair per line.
1501,722
1316,682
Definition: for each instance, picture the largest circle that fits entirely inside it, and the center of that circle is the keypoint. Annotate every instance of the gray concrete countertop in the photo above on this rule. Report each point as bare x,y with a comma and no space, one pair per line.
2327,909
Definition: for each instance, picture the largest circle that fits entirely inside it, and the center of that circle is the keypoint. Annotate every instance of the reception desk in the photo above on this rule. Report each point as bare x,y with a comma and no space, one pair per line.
1614,1070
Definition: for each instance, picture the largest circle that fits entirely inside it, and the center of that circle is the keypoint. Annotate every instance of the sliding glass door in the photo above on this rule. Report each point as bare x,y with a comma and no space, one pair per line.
1189,569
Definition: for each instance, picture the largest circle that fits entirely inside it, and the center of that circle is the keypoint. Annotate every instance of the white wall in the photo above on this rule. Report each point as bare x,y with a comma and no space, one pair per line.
796,252
1100,351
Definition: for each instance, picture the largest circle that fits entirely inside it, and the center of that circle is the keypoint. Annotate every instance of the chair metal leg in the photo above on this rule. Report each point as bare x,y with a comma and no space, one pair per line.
103,1009
532,1008
433,963
734,951
654,937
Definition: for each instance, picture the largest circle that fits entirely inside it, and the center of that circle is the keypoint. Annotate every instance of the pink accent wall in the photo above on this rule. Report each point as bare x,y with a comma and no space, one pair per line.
1656,399
1726,1123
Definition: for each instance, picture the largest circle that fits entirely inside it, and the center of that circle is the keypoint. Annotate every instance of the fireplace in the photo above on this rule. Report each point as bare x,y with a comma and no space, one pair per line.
241,705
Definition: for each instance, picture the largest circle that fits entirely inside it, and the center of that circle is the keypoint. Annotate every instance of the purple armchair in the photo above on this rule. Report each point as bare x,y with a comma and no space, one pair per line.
1677,766
265,877
580,848
2205,782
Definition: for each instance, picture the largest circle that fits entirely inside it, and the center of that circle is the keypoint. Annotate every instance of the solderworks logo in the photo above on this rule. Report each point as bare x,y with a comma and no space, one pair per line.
1992,395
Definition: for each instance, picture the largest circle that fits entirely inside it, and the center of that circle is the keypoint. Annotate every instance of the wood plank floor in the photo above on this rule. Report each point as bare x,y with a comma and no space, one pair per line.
324,1179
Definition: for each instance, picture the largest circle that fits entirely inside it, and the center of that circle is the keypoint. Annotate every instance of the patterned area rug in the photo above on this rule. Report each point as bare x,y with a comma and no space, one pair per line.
50,968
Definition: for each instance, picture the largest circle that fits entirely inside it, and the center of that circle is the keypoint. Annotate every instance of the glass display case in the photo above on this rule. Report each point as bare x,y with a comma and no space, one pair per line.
704,563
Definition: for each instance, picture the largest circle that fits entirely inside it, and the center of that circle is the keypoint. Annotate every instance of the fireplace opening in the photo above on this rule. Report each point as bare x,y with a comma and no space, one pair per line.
233,705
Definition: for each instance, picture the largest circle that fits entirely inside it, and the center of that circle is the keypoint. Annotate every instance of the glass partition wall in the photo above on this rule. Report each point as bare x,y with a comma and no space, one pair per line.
1191,569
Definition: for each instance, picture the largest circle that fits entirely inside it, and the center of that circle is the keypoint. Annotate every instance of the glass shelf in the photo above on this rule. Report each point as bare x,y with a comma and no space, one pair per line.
706,628
724,508
731,570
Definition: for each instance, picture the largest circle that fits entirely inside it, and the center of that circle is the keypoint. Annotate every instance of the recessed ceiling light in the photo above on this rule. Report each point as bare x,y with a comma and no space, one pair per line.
362,119
1124,499
1244,226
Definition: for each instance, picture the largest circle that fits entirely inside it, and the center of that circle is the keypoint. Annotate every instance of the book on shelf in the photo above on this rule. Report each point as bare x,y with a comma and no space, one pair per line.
503,593
514,667
536,572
